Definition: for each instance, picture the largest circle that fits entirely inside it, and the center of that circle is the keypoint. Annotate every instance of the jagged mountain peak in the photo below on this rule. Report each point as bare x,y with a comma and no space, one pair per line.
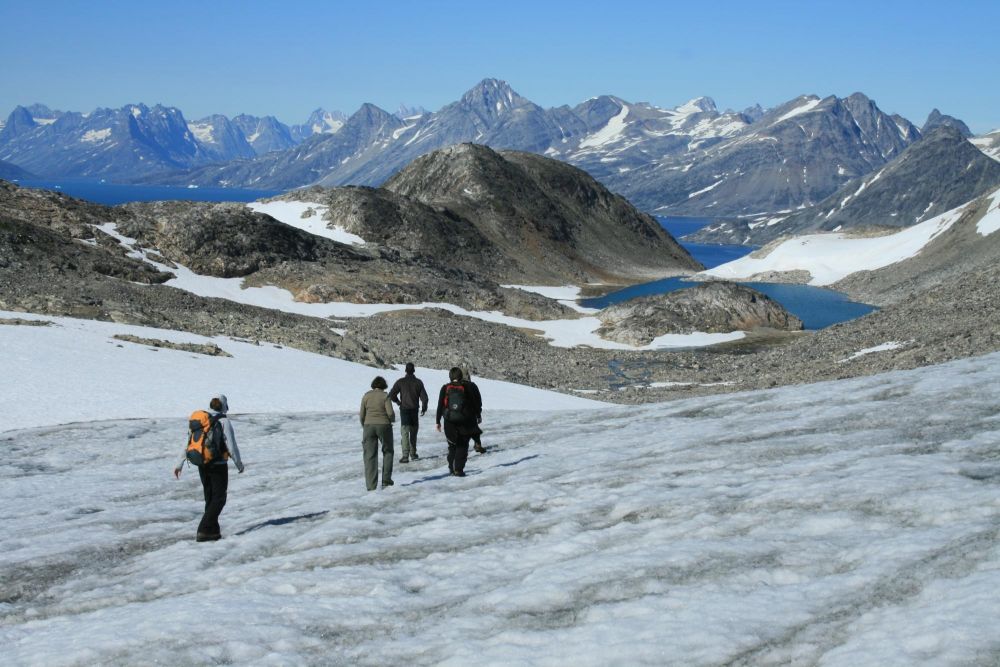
937,119
698,104
494,95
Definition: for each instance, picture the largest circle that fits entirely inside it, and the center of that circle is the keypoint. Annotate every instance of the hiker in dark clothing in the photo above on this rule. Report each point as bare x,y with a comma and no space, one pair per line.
215,475
377,416
478,443
460,406
408,393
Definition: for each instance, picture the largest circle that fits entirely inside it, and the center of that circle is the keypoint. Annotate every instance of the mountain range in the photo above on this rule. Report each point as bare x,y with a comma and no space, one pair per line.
933,175
689,160
143,141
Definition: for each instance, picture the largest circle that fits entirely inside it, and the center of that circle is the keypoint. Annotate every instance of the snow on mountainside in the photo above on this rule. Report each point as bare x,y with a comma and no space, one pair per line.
828,258
790,525
691,160
933,175
988,143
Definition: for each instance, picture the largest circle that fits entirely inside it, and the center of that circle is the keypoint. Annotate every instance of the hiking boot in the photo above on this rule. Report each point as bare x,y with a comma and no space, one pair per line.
385,484
404,460
479,448
459,473
207,537
414,456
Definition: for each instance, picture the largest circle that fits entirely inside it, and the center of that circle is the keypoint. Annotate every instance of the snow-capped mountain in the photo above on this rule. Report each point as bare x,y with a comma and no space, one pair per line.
265,134
793,156
688,160
134,139
221,139
139,141
933,175
320,121
692,159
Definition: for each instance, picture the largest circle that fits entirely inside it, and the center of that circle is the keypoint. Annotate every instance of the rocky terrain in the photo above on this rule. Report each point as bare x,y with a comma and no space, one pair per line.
959,318
556,221
936,174
716,307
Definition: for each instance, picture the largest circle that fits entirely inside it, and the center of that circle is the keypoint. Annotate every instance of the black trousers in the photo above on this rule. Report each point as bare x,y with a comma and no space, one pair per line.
458,447
215,483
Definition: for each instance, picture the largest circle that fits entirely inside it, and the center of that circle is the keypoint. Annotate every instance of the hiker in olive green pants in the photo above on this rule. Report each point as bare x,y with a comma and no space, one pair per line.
377,416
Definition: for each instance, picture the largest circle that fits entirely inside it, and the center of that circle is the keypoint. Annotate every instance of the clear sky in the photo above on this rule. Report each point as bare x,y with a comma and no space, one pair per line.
287,58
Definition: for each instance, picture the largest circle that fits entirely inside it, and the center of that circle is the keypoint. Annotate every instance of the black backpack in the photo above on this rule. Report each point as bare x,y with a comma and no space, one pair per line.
456,404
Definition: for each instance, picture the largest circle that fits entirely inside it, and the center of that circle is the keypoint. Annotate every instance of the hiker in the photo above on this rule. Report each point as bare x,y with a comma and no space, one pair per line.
377,416
215,472
461,406
408,393
477,442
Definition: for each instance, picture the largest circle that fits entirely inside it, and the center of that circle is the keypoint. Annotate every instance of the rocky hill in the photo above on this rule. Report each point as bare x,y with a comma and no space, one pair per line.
717,307
555,222
934,175
55,259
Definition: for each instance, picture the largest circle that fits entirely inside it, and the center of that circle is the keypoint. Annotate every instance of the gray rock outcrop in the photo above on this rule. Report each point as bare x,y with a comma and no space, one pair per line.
716,307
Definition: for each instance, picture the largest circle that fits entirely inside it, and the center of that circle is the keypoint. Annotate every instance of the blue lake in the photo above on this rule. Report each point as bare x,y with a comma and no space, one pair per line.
815,306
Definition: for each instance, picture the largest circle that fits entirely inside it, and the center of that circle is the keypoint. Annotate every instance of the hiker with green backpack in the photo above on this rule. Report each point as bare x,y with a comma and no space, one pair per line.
211,443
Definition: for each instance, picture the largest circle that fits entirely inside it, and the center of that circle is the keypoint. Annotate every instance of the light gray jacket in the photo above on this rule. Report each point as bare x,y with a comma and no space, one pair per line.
228,436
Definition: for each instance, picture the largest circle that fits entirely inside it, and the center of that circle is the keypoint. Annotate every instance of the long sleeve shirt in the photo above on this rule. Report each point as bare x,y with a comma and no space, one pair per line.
228,438
376,408
408,392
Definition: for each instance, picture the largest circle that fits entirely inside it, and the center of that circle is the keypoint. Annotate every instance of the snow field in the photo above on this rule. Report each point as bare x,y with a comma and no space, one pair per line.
844,523
75,370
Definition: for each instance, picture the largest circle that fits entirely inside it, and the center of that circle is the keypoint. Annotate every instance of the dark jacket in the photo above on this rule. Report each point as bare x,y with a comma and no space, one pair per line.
472,396
408,392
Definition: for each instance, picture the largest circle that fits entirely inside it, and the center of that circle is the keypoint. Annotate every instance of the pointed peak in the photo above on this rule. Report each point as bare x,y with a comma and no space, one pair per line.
697,105
493,93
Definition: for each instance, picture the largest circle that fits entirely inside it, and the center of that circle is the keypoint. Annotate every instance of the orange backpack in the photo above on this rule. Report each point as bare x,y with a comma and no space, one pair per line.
205,439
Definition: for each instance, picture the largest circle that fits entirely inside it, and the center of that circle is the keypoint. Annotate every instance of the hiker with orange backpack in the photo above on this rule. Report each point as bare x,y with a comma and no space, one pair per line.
211,443
460,406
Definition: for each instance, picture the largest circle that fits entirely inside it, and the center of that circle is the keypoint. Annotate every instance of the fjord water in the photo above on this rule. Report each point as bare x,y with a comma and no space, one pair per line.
815,306
112,194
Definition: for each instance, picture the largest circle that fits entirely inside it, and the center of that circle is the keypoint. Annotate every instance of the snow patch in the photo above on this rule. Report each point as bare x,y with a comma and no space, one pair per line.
884,347
94,136
704,190
609,133
297,214
833,256
799,110
990,222
202,132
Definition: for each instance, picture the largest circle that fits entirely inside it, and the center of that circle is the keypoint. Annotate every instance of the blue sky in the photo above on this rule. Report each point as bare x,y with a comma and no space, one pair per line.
287,58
